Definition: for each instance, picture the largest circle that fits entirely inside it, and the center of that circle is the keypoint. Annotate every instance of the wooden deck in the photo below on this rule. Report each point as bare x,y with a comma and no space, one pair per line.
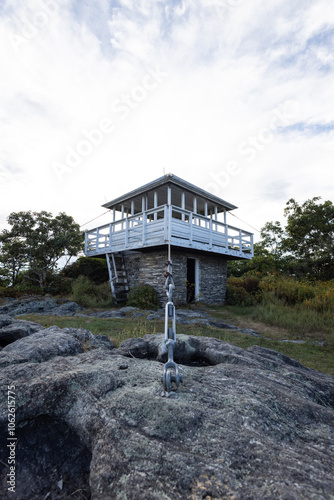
151,228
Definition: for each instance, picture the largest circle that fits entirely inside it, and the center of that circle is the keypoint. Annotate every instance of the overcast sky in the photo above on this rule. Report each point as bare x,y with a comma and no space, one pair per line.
98,98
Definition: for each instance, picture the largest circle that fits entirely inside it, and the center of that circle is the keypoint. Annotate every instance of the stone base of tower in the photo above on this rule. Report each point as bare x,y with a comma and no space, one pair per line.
198,276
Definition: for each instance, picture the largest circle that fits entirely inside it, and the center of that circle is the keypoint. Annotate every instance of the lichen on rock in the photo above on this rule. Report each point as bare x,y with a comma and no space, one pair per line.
245,424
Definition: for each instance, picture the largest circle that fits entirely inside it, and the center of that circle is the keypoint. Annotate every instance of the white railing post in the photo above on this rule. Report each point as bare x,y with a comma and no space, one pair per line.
166,223
252,245
86,242
155,204
240,241
206,214
210,234
97,239
122,217
191,228
144,227
110,236
226,236
126,233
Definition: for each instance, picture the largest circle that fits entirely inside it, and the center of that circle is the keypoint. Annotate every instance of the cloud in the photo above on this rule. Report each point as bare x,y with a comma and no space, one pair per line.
308,128
227,67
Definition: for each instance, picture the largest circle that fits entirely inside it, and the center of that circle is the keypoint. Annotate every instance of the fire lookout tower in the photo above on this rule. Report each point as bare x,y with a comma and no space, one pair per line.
170,208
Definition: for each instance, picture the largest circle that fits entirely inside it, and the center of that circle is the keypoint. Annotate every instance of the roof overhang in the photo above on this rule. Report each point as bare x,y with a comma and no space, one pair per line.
159,185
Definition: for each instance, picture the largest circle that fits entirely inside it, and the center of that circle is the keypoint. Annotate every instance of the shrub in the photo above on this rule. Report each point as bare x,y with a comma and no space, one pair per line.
144,297
251,284
88,294
94,268
235,282
59,285
237,296
17,291
242,291
9,292
323,300
289,290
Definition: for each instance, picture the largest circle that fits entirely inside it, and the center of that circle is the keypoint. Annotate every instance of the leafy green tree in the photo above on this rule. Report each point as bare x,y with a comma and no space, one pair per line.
259,263
37,241
265,261
304,247
310,237
13,259
272,235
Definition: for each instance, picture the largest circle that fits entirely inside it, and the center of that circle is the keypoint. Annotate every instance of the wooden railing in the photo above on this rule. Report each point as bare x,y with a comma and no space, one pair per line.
151,228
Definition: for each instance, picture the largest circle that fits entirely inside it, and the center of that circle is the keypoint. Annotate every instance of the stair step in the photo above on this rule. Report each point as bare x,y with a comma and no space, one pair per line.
121,285
118,277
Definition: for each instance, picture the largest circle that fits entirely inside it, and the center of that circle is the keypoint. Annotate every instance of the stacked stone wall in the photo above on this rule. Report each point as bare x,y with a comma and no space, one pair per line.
212,279
149,267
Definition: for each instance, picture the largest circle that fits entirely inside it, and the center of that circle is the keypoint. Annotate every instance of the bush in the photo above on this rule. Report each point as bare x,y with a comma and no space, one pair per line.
237,296
9,292
94,268
17,291
59,285
289,290
242,291
56,284
88,294
144,297
251,284
323,301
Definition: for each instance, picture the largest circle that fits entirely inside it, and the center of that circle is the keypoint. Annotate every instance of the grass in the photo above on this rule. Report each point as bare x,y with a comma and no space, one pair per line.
116,329
275,324
298,320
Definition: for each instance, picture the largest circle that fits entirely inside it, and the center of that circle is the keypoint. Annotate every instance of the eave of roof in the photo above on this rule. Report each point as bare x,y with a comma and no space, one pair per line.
177,181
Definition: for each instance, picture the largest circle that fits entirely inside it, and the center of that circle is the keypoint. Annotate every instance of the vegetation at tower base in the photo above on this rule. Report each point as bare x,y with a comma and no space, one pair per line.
280,290
143,296
89,294
35,243
94,268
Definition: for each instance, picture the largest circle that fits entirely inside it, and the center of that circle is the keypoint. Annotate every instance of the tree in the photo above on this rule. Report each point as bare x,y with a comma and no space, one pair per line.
272,236
310,236
13,258
36,242
305,246
264,261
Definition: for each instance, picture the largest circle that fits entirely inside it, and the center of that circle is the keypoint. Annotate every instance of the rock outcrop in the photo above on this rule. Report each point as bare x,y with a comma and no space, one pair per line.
15,329
246,424
46,306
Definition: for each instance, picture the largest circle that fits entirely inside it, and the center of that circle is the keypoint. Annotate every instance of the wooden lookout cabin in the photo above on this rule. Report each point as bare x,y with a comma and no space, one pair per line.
143,221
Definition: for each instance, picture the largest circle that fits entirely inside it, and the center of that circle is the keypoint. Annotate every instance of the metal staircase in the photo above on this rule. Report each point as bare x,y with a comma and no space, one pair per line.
117,276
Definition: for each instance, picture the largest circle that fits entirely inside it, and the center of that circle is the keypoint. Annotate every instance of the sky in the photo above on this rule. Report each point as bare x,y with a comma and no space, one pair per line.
99,98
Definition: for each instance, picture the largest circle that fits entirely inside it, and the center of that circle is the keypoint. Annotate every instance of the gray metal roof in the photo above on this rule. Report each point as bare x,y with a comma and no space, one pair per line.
159,184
